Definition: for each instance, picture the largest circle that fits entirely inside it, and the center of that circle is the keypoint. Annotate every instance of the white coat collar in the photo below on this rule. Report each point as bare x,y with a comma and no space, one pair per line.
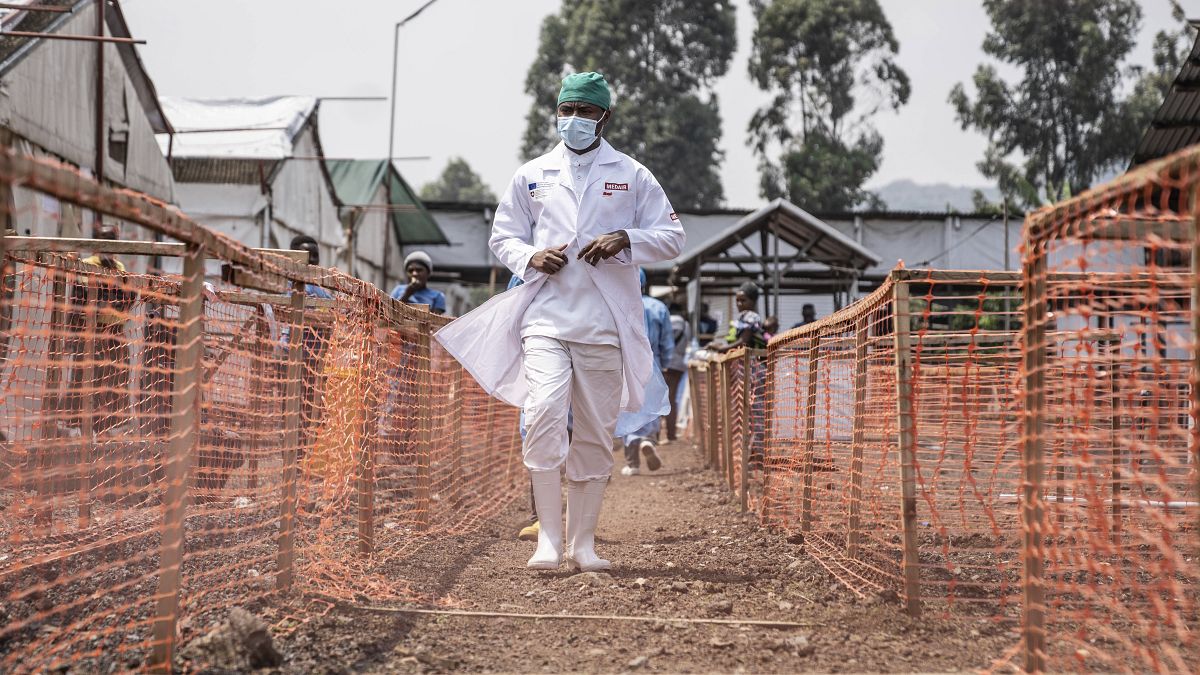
558,160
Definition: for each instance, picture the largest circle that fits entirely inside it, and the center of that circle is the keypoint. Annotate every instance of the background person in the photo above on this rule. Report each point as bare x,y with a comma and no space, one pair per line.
418,266
662,344
681,332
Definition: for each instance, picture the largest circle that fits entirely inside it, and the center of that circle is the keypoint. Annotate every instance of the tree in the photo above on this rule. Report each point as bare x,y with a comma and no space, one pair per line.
458,183
1064,123
661,58
830,66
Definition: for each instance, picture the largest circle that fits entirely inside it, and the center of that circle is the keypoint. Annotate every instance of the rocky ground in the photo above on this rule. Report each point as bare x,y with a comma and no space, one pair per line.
681,551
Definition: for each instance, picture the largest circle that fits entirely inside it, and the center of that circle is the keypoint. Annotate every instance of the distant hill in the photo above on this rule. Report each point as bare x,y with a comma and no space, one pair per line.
906,195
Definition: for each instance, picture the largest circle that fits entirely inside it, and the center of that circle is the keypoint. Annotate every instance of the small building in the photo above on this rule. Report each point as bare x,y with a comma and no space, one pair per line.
253,169
88,104
381,215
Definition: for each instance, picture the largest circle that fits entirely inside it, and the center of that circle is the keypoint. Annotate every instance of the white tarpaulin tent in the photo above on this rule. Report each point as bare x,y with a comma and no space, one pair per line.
251,168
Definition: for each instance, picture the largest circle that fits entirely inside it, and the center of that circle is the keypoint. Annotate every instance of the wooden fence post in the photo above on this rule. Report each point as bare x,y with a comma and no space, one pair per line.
713,426
854,535
696,422
87,408
424,427
457,403
908,447
368,441
1115,433
294,407
184,439
810,434
1033,619
727,427
258,389
747,426
52,401
766,500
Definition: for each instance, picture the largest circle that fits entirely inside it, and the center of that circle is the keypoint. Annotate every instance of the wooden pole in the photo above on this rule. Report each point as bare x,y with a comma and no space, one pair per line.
258,389
908,449
1115,434
854,535
810,434
747,427
87,418
1033,620
424,427
727,426
368,442
457,403
710,404
768,431
696,419
184,439
51,401
1194,378
293,409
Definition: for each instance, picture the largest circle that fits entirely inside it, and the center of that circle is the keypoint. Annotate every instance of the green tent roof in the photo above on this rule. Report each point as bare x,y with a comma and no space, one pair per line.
356,182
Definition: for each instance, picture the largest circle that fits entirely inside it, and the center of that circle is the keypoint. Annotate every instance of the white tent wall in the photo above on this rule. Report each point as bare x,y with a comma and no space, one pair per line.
50,99
370,233
302,203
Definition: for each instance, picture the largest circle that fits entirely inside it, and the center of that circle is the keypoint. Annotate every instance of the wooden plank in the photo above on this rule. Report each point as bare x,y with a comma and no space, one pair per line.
293,406
908,449
185,437
768,431
696,422
258,281
747,426
854,521
74,245
457,421
1193,394
424,430
810,434
1033,619
258,397
295,256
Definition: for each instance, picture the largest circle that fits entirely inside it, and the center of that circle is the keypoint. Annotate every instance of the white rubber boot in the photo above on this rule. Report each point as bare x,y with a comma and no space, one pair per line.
547,501
583,512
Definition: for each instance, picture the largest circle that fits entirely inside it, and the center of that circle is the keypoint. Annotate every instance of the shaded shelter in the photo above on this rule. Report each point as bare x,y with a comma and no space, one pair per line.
782,248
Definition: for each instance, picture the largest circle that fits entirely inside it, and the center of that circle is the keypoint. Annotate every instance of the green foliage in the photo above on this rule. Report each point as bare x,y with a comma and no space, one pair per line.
1065,122
661,58
830,67
458,183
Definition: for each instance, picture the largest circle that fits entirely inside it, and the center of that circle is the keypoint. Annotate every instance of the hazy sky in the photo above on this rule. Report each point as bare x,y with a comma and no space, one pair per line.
462,71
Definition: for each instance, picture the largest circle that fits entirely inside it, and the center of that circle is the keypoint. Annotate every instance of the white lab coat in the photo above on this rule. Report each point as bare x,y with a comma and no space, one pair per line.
540,210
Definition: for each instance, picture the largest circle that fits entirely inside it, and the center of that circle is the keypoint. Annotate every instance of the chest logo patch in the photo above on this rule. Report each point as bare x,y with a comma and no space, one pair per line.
617,187
540,190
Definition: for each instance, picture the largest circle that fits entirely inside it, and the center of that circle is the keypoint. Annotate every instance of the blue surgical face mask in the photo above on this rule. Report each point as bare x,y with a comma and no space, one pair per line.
577,132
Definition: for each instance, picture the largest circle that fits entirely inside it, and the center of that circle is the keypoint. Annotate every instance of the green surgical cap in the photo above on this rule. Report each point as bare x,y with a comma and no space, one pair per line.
585,88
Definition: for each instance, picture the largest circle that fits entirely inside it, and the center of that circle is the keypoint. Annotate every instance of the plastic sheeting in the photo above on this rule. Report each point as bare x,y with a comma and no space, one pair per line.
252,128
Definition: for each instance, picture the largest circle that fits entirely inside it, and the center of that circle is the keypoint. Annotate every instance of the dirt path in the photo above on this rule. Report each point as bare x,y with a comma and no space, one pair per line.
680,550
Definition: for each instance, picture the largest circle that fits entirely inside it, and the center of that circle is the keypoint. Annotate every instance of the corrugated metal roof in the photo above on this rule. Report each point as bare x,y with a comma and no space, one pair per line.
13,49
1176,125
245,128
356,183
222,170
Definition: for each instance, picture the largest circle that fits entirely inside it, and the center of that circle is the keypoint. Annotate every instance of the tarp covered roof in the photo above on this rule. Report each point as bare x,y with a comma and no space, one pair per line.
1176,125
356,183
241,128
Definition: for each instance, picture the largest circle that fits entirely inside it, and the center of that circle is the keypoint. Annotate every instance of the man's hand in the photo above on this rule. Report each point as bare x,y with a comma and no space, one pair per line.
604,247
550,260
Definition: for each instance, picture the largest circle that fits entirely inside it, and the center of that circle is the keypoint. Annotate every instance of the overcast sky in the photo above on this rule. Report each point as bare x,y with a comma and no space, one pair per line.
462,71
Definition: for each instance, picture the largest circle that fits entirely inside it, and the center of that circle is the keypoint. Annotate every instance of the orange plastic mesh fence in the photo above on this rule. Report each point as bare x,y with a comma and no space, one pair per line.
174,447
1016,449
1111,498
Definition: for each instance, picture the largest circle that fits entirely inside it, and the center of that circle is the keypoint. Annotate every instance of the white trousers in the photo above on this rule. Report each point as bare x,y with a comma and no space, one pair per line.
584,380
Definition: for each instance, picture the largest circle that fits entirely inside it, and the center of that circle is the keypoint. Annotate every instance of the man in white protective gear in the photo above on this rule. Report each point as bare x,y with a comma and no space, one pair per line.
574,224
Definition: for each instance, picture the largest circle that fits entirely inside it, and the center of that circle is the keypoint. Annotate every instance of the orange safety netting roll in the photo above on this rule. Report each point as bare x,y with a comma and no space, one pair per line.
178,443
